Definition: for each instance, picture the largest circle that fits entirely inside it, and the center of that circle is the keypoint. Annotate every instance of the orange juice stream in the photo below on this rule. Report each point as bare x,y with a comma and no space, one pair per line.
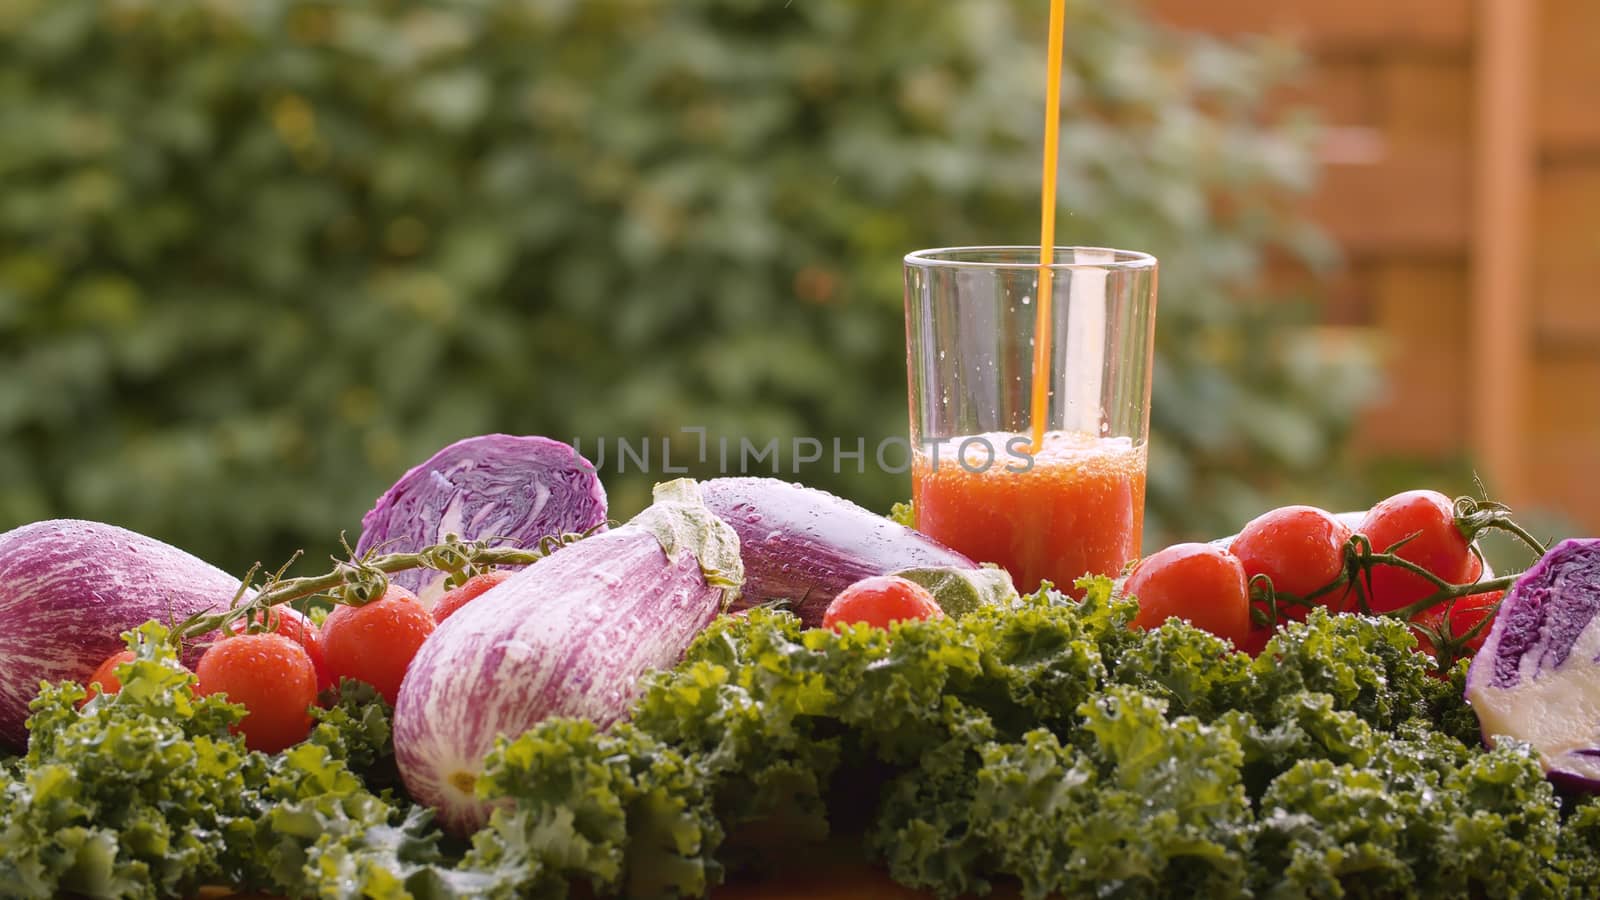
1079,509
1043,315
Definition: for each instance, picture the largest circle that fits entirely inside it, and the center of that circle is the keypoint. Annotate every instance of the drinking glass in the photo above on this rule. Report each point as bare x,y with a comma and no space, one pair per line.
1074,504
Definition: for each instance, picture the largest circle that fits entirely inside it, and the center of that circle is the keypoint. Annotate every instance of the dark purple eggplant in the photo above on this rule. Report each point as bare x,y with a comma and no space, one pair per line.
804,546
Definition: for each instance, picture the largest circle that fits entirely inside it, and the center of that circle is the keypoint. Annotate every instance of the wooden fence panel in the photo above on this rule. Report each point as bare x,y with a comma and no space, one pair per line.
1563,430
1438,113
1567,262
1427,101
1569,76
1419,309
1412,201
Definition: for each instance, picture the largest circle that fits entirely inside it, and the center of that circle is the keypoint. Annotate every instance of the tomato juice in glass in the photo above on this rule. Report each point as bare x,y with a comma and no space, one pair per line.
1074,505
1079,508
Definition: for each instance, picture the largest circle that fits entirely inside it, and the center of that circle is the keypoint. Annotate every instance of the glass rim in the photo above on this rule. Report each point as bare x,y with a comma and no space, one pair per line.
949,257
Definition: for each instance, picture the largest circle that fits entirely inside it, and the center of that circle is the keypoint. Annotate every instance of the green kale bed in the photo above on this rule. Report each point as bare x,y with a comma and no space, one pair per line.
1045,747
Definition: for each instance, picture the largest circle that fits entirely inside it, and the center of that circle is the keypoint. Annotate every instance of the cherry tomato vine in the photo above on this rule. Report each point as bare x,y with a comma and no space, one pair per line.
1472,516
359,581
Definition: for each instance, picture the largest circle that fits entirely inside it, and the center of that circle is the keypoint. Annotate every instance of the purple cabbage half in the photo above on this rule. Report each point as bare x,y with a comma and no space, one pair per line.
69,589
1537,678
569,635
804,546
521,489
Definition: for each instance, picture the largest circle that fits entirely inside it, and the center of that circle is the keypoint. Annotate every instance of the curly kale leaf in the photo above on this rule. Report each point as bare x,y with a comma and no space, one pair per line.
390,858
888,687
356,729
136,795
1366,664
748,702
769,706
903,514
1144,807
1579,856
1196,672
1427,818
1447,705
145,793
619,810
1177,813
1303,725
1036,664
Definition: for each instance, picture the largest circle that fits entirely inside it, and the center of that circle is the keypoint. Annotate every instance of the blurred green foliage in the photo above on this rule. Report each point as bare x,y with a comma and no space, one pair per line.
257,258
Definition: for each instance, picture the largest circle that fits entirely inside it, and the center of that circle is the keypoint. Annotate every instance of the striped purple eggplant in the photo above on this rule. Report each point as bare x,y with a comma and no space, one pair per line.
69,589
520,489
804,546
569,635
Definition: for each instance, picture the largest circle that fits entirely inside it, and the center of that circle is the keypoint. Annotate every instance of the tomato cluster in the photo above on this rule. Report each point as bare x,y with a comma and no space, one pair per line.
276,663
1292,559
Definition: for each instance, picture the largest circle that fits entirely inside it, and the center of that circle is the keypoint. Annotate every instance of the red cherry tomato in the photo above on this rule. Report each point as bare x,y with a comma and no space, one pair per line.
1301,548
376,642
106,675
880,600
456,598
1199,583
1436,544
293,624
272,677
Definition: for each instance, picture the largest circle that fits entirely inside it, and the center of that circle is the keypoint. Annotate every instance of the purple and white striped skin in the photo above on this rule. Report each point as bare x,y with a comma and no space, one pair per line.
805,546
70,588
523,489
569,635
1537,678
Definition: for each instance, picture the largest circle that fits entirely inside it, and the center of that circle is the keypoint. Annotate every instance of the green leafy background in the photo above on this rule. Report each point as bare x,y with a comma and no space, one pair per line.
258,258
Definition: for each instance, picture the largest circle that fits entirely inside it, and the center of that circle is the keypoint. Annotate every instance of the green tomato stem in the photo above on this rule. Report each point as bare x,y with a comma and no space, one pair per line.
357,582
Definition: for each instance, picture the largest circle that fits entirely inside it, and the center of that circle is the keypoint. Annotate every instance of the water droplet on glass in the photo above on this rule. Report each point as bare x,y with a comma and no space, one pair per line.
1026,300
